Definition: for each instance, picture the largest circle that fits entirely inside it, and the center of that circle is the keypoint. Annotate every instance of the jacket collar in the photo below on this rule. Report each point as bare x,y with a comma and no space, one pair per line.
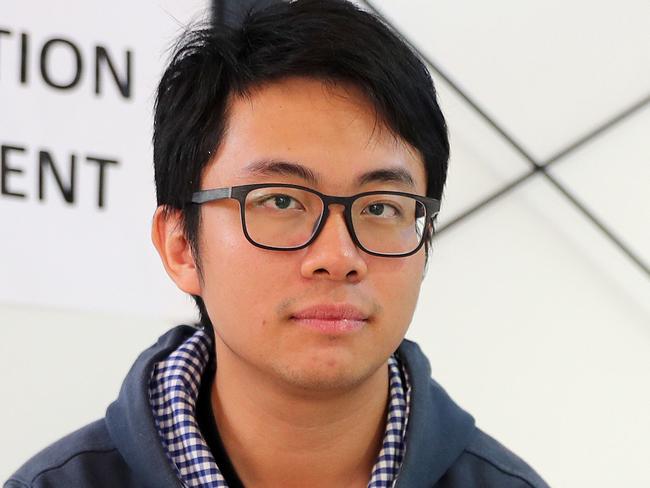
438,429
130,420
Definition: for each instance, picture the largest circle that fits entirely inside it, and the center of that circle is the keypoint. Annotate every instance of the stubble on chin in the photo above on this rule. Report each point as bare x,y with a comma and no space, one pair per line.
326,378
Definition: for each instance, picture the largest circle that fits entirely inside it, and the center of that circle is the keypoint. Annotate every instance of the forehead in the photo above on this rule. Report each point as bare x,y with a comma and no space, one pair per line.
329,129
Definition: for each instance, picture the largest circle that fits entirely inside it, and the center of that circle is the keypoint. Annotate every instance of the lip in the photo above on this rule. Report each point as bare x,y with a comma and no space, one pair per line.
331,318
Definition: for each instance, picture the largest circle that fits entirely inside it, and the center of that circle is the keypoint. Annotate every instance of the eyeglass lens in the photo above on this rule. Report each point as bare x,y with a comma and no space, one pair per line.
288,217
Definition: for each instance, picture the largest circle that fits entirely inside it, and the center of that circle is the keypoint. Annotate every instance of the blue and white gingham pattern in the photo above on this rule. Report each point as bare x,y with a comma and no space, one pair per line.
173,392
390,457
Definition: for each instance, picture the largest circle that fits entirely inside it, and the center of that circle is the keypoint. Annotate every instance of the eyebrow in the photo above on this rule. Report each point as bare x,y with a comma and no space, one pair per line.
287,168
284,168
387,175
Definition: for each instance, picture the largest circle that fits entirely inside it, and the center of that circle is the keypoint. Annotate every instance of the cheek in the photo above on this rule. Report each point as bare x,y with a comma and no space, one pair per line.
398,282
241,282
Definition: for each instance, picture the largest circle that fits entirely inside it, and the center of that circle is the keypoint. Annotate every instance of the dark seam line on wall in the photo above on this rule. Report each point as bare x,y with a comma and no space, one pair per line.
613,121
485,202
612,237
537,167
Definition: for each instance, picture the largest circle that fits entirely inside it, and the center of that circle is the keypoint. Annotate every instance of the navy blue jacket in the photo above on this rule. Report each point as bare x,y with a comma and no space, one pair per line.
444,448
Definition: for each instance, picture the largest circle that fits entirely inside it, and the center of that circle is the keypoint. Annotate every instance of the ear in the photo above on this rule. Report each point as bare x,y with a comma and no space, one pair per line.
175,251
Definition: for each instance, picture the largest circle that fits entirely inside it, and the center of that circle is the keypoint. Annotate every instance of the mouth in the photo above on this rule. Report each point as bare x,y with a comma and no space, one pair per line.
331,319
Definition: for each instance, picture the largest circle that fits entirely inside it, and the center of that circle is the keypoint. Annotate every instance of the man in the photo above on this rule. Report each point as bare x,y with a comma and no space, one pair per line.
300,161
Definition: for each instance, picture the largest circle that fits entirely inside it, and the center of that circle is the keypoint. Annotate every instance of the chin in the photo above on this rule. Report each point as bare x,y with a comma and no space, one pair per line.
327,375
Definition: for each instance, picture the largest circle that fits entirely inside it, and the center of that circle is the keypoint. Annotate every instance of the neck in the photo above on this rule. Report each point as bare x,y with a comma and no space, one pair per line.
276,435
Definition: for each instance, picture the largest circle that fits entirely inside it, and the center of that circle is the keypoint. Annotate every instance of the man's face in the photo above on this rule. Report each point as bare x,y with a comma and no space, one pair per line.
253,295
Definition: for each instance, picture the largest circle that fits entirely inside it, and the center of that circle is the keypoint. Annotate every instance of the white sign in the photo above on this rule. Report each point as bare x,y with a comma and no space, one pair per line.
77,85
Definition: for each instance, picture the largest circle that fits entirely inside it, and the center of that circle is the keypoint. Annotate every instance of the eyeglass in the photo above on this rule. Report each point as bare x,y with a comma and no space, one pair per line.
286,217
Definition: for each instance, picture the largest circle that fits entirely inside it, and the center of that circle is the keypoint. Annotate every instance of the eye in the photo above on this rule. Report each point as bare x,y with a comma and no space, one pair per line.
280,202
383,210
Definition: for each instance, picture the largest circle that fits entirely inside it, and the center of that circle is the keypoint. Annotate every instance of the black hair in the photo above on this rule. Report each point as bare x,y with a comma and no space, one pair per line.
330,40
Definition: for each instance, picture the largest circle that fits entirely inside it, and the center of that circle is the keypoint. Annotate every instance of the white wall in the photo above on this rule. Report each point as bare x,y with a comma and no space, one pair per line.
532,319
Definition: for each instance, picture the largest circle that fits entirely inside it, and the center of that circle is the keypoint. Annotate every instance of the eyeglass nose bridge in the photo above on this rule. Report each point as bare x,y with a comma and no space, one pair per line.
346,202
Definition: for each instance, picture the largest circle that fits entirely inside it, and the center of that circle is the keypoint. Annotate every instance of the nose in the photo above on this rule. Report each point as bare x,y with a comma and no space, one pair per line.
334,255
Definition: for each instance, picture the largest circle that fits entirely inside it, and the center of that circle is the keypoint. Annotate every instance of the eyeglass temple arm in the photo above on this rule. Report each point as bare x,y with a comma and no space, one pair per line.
433,206
211,195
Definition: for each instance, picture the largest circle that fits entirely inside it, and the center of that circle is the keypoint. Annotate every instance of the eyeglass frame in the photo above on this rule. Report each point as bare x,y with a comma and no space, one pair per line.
240,192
